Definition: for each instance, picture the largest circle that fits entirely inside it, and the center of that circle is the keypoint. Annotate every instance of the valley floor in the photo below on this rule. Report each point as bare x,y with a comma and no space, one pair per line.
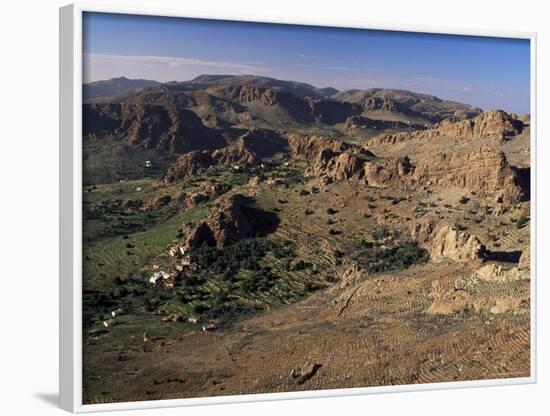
365,331
432,322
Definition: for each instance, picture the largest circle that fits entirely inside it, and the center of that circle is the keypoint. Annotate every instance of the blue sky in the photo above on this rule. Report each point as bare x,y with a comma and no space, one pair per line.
482,71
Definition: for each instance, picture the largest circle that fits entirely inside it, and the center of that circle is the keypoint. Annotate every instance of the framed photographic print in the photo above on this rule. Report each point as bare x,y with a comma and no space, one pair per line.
260,210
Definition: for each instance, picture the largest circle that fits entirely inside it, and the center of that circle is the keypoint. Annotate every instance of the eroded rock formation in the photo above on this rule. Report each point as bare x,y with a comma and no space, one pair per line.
234,220
493,125
484,171
247,150
169,129
189,164
308,148
446,241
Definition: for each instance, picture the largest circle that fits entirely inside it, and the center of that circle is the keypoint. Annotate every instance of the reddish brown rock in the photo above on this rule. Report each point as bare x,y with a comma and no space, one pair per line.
492,125
484,171
234,220
189,164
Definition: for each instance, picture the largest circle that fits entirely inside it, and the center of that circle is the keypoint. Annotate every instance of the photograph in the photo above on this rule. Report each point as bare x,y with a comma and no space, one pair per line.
277,208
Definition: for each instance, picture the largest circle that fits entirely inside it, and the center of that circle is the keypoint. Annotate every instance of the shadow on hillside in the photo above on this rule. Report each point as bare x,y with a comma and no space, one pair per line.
504,256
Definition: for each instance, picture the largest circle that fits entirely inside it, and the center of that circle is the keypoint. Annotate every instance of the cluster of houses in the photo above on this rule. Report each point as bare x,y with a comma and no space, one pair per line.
162,277
168,279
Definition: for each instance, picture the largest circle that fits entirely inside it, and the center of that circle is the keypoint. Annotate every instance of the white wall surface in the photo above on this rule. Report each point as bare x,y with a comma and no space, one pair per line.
29,207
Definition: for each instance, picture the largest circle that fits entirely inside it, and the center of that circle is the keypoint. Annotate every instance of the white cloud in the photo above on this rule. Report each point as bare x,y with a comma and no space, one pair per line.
160,68
340,68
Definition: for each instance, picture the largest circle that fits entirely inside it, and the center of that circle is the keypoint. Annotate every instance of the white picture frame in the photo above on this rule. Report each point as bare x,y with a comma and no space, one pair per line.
70,152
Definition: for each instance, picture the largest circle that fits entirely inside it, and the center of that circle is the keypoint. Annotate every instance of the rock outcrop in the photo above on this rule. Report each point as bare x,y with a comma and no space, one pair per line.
484,171
493,125
453,244
384,104
362,122
189,164
446,242
246,151
250,148
394,172
205,192
308,148
234,220
337,166
169,129
329,158
495,273
300,108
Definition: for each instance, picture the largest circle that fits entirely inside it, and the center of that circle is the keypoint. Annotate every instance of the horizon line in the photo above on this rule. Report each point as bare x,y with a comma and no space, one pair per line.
293,80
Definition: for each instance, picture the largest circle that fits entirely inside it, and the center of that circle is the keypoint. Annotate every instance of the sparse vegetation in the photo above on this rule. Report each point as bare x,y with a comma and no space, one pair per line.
376,259
143,209
522,222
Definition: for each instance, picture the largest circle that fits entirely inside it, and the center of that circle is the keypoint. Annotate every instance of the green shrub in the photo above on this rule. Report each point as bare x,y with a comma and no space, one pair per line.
522,222
380,259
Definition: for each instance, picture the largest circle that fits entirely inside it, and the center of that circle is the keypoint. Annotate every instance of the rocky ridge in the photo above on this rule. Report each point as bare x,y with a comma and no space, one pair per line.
494,125
167,129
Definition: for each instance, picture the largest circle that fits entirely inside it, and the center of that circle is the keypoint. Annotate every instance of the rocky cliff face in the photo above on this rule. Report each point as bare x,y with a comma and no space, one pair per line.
446,242
484,171
329,158
157,127
494,125
451,243
384,104
308,148
394,172
234,220
303,109
189,164
246,151
336,166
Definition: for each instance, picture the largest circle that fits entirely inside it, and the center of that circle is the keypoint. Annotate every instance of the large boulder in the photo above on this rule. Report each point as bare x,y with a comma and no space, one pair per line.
445,241
452,244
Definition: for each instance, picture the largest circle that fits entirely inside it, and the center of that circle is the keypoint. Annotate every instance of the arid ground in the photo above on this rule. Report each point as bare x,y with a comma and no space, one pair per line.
251,235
